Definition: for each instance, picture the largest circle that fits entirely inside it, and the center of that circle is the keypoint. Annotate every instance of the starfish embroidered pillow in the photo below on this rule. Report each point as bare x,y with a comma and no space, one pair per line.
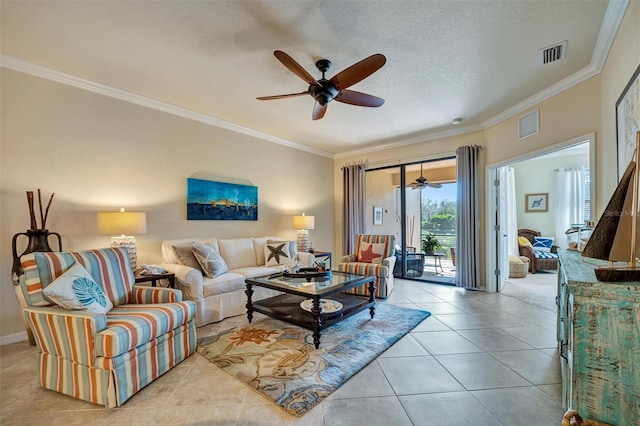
209,259
371,253
293,247
276,253
76,290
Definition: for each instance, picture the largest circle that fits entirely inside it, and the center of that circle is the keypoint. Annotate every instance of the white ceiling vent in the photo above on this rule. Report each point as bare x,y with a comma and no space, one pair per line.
553,53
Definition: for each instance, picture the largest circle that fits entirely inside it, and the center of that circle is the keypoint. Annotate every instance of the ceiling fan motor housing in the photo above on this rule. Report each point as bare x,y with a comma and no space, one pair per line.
324,92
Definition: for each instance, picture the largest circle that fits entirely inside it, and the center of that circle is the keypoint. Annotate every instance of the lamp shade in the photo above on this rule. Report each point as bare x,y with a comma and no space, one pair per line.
304,222
122,223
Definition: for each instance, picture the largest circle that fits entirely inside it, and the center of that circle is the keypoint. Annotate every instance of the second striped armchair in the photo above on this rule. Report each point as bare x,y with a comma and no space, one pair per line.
374,255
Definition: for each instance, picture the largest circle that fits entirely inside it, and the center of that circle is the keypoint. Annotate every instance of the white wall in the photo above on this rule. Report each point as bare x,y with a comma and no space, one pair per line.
539,176
97,153
381,193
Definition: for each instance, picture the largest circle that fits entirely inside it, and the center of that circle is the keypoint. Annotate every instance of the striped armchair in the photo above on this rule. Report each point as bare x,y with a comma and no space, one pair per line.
104,358
383,271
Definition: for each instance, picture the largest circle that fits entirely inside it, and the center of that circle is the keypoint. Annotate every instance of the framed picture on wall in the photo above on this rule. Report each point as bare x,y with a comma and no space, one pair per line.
377,215
536,202
628,121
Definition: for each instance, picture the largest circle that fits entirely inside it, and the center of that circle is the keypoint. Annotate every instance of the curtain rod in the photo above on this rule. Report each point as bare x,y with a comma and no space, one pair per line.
573,168
413,158
364,163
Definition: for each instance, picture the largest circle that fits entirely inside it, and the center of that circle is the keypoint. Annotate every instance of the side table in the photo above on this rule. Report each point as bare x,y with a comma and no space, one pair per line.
324,255
143,278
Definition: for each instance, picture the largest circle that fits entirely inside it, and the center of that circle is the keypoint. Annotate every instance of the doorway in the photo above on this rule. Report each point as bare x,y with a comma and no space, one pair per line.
416,202
541,180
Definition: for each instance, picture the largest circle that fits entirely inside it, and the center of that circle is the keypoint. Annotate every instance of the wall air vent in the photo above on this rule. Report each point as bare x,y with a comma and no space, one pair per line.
529,124
553,53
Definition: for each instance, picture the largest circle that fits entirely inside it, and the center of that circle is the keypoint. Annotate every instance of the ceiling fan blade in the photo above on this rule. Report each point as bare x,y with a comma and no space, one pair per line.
358,71
434,185
290,95
294,67
318,111
357,98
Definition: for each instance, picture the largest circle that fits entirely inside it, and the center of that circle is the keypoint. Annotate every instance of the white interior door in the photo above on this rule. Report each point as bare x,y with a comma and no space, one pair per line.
501,228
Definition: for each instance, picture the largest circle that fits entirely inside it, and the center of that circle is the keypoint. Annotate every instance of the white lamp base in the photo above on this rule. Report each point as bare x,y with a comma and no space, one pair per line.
128,243
303,240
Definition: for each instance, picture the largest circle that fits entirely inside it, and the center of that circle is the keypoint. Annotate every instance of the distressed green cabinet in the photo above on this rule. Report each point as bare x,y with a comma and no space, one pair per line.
599,342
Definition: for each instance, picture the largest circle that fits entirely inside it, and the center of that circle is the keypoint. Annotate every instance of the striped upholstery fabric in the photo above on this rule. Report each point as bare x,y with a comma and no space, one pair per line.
545,255
67,334
109,268
382,272
105,359
144,294
129,326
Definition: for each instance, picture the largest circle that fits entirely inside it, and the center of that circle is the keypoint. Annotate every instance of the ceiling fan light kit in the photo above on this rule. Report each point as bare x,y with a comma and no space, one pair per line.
325,91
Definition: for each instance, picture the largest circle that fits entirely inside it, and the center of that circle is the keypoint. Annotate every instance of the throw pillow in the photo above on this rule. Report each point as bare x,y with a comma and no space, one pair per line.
276,253
523,241
371,253
293,247
514,259
209,259
543,243
76,290
185,256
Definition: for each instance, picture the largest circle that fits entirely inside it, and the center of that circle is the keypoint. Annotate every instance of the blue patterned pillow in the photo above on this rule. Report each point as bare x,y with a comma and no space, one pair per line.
76,290
542,243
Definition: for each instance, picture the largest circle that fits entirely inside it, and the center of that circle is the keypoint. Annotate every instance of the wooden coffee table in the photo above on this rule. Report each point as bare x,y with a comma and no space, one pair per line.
286,307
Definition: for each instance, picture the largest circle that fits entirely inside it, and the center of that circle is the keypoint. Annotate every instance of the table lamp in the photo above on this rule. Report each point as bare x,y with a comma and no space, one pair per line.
122,223
303,224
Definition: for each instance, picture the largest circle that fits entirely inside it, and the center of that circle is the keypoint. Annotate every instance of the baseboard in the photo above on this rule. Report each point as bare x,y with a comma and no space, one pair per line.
13,338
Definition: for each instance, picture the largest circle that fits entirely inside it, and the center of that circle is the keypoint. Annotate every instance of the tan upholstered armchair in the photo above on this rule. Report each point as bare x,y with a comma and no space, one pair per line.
538,260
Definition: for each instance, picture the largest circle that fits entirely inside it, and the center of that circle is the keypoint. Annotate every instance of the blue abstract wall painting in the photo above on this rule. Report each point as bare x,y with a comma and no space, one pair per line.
208,200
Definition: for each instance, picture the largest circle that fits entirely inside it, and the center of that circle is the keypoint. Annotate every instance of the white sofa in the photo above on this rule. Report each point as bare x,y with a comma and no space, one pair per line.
224,296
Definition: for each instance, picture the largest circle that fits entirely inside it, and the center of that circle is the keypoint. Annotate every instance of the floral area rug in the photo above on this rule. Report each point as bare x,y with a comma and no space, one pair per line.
280,361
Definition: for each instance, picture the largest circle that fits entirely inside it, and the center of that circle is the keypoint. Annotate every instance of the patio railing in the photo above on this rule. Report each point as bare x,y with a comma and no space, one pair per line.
446,240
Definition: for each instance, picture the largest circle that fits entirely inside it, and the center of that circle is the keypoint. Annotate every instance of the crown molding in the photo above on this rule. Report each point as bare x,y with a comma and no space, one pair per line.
556,88
19,65
610,24
608,30
412,141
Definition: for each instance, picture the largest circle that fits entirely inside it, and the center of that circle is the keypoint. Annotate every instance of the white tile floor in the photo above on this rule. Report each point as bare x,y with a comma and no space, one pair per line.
480,359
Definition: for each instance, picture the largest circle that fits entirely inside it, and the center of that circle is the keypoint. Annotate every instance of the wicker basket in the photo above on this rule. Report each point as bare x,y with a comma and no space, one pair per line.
519,270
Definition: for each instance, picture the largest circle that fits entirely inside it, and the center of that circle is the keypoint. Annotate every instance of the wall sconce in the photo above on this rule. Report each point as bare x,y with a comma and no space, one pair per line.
303,224
122,223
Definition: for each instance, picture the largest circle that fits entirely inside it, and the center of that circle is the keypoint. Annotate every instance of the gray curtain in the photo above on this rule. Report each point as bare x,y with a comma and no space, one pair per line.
353,189
468,218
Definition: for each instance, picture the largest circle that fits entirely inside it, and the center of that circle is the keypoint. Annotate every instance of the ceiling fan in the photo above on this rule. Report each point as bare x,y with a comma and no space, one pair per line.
422,182
325,91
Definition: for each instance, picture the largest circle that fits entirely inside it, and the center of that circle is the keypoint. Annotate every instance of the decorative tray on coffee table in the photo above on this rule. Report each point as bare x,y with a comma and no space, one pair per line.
307,273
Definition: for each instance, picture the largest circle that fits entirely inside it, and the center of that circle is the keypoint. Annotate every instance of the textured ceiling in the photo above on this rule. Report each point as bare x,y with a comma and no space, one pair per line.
473,59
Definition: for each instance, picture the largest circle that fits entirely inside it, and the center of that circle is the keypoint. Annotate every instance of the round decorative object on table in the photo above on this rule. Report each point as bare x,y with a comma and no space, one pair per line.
327,306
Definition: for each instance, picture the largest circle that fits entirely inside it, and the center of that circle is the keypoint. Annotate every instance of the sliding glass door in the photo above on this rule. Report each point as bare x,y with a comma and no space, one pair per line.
417,203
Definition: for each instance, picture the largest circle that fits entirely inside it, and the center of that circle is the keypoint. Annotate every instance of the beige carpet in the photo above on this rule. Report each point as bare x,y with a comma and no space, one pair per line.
537,289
